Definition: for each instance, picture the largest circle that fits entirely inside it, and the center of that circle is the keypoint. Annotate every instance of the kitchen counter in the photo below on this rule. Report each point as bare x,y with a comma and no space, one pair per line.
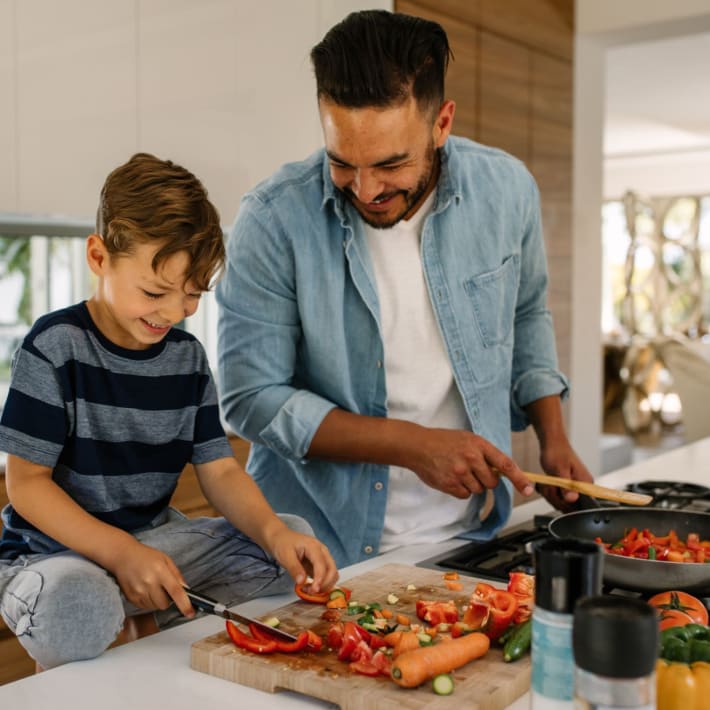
155,671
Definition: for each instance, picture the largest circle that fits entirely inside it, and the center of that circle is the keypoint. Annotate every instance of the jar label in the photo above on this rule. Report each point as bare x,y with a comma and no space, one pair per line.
552,656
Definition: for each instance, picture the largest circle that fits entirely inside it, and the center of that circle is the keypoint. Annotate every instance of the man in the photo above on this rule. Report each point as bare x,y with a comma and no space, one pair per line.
382,318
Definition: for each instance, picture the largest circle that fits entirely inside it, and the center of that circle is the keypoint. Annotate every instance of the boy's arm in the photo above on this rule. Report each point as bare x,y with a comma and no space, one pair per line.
238,498
148,577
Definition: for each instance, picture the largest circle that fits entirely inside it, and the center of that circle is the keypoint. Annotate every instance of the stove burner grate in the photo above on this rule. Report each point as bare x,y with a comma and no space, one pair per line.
675,494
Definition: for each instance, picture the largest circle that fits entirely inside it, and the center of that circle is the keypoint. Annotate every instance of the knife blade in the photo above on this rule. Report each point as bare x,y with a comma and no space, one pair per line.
212,606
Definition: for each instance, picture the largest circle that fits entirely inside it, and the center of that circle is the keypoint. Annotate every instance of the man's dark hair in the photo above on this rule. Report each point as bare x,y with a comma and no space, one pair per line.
380,58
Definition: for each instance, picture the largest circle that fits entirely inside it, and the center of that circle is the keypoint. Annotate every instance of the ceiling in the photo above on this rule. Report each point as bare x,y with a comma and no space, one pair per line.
657,119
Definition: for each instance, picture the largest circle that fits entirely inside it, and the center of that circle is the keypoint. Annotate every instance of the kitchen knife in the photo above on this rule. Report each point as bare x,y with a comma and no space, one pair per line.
212,606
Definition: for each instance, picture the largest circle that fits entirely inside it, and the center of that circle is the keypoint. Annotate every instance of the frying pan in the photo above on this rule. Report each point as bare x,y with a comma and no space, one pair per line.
611,524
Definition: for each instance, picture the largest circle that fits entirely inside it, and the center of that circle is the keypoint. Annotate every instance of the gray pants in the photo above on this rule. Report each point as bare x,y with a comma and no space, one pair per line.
63,607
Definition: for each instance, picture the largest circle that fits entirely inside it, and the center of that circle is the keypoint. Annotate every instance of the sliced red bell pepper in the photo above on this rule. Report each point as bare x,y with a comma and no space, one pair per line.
522,585
315,642
249,643
303,591
491,609
503,608
436,613
283,646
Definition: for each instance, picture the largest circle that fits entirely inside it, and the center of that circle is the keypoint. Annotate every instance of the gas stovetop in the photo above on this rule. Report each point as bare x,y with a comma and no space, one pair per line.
512,552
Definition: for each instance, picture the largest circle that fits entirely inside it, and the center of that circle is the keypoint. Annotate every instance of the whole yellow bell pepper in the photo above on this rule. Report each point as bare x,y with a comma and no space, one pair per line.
680,686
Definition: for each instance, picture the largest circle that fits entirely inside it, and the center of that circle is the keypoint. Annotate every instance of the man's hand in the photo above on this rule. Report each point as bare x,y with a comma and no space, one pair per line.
149,578
303,556
462,464
561,460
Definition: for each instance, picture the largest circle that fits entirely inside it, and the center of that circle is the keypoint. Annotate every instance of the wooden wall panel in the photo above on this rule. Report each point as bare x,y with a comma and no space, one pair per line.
466,11
504,95
544,25
461,79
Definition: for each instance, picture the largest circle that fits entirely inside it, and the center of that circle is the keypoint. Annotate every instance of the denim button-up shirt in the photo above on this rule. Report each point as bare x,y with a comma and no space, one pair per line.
299,329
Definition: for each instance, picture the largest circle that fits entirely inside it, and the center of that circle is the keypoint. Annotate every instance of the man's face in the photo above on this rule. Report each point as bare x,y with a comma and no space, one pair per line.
384,159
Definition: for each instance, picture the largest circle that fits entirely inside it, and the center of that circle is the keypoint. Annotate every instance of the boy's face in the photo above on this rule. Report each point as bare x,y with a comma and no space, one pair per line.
384,159
134,306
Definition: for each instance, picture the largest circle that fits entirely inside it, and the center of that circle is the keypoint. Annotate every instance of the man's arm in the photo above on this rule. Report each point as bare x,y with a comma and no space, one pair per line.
456,462
556,454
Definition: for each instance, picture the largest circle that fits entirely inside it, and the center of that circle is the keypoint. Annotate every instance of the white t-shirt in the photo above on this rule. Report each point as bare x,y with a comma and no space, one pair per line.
419,379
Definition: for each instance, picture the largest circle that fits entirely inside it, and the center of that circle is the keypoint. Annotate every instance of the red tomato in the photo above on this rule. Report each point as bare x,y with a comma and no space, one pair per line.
673,601
383,662
361,652
437,612
666,619
364,667
352,638
334,639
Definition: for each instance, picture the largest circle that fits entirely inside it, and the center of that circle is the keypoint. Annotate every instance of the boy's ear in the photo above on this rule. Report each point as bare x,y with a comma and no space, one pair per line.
96,254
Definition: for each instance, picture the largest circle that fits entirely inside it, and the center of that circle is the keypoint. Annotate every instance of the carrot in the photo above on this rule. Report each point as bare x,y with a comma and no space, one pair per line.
387,613
337,603
406,642
451,575
392,637
413,668
454,586
402,619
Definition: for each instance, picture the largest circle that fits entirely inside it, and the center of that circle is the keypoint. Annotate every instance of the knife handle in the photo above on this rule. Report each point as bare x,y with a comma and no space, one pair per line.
203,602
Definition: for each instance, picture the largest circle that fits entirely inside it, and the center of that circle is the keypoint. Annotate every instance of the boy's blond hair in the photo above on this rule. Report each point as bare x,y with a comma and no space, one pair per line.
148,199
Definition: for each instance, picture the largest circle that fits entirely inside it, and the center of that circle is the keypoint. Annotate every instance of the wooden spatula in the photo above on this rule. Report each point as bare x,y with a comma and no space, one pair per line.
591,489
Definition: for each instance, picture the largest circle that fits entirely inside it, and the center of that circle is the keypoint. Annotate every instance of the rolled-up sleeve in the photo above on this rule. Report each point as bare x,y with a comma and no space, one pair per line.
535,372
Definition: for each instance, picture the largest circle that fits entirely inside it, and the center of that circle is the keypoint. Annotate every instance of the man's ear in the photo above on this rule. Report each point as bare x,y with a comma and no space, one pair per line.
443,123
96,254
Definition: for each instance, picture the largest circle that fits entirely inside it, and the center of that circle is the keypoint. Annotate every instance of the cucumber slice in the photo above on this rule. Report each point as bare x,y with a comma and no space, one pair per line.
272,621
443,684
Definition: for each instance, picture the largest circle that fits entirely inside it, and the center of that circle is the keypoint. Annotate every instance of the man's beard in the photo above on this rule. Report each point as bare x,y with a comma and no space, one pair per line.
411,197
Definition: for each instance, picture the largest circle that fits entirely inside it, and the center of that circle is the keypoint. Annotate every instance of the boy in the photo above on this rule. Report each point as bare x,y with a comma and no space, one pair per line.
108,402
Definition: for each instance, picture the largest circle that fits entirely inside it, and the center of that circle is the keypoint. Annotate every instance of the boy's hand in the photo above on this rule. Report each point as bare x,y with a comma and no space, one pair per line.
149,579
303,556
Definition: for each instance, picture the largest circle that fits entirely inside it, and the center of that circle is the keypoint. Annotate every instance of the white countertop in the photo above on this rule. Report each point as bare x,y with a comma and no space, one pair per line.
155,671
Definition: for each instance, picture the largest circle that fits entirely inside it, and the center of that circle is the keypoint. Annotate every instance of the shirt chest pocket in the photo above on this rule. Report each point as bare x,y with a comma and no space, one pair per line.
493,296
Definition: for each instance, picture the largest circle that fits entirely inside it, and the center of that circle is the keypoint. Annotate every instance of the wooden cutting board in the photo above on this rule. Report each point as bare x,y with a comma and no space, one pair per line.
485,684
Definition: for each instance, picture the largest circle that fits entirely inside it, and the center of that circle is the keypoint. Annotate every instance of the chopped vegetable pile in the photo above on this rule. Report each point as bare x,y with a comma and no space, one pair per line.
643,544
378,641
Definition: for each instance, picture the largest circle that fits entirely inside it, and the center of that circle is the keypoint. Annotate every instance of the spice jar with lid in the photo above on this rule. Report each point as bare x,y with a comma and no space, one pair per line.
615,642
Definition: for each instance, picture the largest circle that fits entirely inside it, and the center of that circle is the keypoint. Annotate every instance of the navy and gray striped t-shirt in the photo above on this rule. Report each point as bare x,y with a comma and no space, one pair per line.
117,426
